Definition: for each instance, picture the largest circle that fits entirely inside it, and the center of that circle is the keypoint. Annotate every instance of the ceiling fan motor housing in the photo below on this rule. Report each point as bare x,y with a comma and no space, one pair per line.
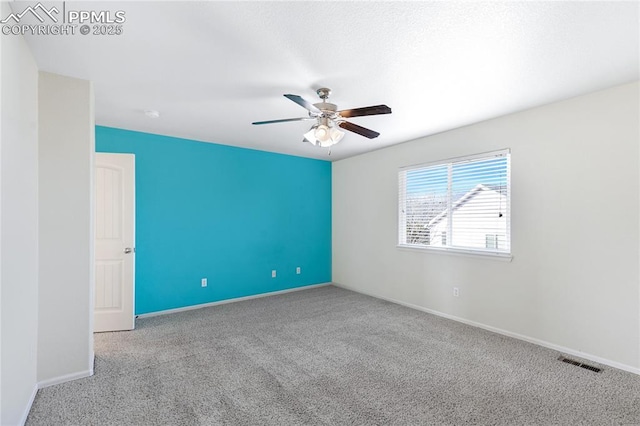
328,109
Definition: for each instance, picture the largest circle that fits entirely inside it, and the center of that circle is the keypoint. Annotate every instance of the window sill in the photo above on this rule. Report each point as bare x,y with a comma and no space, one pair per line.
503,257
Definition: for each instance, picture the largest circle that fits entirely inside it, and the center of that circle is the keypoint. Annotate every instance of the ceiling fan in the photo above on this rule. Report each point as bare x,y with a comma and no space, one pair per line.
327,117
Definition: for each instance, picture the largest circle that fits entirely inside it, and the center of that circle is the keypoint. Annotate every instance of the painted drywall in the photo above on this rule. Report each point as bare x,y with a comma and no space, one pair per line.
18,227
66,147
573,281
227,214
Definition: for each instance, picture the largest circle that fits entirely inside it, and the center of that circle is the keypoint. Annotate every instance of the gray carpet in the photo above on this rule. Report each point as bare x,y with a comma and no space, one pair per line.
328,356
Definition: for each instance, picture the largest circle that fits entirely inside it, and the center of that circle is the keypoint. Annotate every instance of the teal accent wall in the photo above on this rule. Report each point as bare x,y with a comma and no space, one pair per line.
228,214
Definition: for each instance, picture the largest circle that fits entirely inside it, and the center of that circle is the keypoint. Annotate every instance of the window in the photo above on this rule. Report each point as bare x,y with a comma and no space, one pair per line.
461,204
494,241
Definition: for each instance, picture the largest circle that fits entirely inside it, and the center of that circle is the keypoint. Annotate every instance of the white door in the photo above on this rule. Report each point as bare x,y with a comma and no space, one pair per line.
115,242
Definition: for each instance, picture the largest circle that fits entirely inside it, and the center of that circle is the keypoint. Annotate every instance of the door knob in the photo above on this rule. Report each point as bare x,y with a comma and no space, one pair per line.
128,250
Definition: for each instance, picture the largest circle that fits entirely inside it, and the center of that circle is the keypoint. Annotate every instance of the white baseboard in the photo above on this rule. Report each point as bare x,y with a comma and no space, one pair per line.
51,382
65,378
27,409
535,341
223,302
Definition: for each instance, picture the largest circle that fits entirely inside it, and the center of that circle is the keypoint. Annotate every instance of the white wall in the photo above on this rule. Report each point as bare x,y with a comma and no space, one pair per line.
18,227
575,167
66,147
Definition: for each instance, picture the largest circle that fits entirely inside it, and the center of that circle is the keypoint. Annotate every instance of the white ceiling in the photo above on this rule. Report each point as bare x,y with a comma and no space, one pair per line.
211,68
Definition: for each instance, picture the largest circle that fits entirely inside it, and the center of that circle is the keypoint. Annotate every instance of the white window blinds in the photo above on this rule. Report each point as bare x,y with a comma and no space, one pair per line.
460,204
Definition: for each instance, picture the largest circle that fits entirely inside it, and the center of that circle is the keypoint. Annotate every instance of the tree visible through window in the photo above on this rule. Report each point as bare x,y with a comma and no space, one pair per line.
461,204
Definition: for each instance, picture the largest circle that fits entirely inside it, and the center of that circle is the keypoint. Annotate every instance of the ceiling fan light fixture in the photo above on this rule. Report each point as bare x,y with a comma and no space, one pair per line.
323,136
336,135
322,133
310,136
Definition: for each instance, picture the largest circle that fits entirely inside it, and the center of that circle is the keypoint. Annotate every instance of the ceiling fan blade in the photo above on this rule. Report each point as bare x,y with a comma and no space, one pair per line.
284,120
370,110
304,103
358,129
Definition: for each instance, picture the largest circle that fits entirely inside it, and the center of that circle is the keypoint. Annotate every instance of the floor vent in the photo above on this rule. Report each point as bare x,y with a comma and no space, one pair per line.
579,364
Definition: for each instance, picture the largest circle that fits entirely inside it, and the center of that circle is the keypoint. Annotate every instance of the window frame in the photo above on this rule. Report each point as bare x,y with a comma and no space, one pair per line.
465,251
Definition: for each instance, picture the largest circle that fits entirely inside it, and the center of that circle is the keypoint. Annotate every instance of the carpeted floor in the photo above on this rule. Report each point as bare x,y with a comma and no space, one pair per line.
328,356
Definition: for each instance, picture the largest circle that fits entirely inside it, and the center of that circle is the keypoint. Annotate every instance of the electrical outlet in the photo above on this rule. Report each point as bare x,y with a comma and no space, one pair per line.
203,282
298,270
456,292
273,273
